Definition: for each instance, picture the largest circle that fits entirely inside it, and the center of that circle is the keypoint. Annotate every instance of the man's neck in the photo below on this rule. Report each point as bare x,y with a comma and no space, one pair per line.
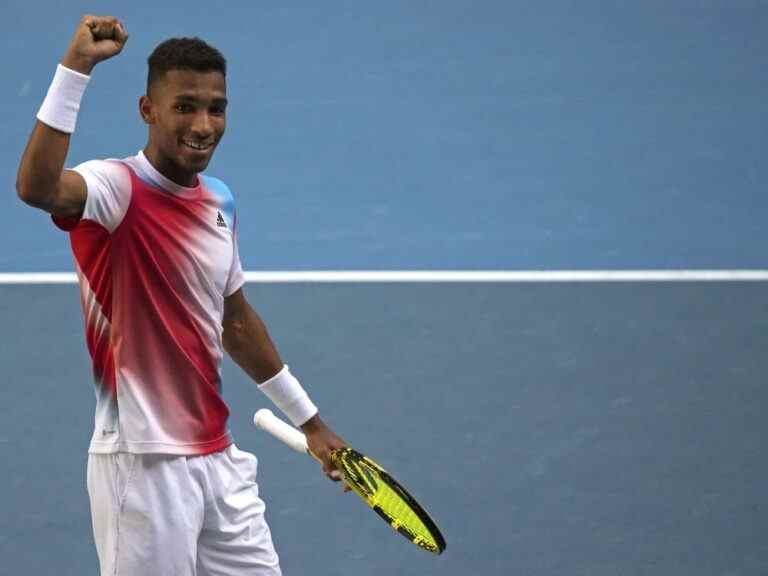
169,169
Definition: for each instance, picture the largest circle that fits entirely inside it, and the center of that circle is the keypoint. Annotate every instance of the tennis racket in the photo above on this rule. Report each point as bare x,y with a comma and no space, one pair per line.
369,481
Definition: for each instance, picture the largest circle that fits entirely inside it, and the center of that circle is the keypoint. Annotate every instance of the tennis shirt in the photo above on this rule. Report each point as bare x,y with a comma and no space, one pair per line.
155,261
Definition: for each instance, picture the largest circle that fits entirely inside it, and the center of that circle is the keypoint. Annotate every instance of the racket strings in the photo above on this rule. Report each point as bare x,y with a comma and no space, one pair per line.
383,494
400,512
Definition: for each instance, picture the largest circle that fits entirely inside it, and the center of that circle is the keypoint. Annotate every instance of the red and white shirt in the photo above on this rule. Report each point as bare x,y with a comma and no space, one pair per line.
155,261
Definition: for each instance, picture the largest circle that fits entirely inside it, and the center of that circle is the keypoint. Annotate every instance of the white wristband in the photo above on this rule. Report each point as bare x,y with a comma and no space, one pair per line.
62,103
286,393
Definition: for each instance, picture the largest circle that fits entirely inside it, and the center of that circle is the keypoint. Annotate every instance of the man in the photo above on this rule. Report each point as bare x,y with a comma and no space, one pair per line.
155,248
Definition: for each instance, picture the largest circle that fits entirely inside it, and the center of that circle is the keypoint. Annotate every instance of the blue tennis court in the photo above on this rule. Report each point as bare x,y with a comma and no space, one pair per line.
588,429
580,428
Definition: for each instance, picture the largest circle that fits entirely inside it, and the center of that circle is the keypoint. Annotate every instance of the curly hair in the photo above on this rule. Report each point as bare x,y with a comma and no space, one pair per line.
184,54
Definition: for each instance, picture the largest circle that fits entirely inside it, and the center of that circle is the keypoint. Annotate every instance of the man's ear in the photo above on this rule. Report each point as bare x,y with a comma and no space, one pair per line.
147,110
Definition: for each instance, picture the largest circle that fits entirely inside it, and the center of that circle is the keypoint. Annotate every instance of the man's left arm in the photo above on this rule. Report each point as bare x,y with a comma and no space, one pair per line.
247,342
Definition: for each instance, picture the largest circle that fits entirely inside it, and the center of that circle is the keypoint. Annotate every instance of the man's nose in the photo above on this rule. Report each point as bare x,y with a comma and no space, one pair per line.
202,126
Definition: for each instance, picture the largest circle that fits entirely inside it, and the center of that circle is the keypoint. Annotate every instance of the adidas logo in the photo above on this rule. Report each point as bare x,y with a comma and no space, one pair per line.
220,221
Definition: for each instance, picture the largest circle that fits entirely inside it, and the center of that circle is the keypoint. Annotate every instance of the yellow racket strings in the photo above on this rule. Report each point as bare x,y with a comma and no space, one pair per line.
364,477
400,513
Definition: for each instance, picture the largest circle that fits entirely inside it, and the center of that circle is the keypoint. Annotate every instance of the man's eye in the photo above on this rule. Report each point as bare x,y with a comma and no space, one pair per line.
218,110
183,108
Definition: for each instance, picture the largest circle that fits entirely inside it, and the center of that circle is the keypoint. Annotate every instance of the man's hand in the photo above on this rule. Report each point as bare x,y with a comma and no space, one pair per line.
97,38
321,441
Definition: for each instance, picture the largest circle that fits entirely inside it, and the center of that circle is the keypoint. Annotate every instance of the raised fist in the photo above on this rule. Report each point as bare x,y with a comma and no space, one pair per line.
97,38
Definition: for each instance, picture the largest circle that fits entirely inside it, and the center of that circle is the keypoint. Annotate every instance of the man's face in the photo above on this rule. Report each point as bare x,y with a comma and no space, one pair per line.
186,111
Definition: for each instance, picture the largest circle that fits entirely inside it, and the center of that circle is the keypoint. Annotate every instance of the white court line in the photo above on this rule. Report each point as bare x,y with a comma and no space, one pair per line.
510,276
411,276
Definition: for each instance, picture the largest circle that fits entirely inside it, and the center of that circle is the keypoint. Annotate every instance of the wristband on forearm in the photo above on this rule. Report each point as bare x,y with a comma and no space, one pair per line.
62,103
285,391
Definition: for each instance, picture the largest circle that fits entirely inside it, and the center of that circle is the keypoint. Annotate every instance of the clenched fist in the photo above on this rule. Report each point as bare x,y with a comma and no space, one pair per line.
97,38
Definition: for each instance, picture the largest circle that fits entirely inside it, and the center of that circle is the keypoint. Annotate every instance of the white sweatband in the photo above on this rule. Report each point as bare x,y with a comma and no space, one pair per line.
286,393
62,103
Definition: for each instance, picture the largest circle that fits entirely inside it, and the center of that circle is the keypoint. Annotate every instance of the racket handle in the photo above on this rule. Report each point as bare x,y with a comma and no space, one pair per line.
283,431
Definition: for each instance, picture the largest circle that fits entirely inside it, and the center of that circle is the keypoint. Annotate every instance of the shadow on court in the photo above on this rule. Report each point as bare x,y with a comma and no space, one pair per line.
550,429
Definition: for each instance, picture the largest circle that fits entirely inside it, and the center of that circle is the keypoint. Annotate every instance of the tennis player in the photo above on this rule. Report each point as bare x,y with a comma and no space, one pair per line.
155,248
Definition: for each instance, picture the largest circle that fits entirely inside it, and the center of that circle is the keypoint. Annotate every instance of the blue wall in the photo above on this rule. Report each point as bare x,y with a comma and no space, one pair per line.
447,134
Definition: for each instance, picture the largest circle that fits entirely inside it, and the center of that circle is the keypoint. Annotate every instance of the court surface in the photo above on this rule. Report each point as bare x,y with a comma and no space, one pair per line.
550,429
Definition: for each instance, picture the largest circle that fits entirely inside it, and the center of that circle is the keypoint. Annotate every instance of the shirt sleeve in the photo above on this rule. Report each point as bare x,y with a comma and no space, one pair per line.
236,276
108,186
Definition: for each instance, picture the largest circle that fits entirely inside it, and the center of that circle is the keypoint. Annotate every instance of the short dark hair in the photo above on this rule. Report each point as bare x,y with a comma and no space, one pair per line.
184,54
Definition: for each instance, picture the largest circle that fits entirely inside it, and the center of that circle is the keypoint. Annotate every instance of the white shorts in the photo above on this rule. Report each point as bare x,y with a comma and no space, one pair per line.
161,515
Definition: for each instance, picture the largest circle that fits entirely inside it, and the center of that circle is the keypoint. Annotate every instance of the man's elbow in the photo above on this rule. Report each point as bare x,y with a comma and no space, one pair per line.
23,190
30,194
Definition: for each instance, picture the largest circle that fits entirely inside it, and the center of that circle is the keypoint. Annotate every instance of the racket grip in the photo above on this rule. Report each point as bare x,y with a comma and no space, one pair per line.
283,431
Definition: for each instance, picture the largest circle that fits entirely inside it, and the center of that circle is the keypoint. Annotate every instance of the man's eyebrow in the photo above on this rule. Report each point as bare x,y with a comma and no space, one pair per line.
193,98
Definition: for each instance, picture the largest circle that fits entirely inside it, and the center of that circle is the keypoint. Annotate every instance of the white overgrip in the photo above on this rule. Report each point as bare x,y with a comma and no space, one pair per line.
283,431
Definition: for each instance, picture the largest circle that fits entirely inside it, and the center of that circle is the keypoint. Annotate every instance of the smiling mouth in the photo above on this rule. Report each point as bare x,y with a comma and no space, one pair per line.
199,146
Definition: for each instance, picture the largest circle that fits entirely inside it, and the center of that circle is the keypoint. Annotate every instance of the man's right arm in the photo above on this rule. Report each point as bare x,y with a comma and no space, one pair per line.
41,180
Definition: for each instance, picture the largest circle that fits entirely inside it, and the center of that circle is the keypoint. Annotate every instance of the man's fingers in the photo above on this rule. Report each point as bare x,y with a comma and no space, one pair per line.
106,28
122,34
97,38
335,475
330,471
104,31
